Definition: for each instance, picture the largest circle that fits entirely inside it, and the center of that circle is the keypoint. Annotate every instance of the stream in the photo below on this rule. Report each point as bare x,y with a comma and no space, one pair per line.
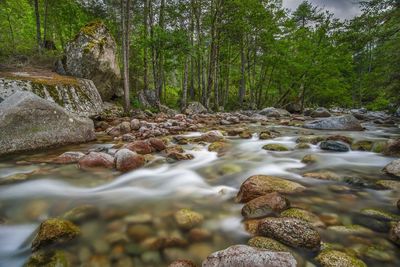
207,184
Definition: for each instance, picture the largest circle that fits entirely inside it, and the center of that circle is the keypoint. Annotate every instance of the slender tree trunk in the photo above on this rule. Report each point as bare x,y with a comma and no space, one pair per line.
11,32
125,14
46,9
38,30
145,32
242,87
192,59
160,81
185,84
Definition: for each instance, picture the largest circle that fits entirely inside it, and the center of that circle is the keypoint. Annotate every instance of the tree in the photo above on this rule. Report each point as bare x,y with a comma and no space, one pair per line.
125,24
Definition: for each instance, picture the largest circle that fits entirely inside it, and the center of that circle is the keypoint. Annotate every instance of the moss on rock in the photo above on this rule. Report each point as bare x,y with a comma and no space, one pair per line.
275,147
335,258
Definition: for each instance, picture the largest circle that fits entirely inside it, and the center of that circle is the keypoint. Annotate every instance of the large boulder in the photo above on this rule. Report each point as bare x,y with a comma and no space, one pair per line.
274,112
393,168
345,123
397,114
195,108
320,113
79,96
93,55
241,255
28,122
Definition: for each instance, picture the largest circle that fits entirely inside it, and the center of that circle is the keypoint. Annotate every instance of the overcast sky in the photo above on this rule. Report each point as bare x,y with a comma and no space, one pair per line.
343,9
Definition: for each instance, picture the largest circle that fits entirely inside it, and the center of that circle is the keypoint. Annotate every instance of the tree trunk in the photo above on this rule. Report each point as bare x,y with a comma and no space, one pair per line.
46,9
38,30
160,80
125,14
185,84
145,32
242,87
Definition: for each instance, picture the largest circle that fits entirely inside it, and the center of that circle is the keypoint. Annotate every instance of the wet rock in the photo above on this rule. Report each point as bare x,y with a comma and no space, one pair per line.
54,231
334,146
182,263
259,185
135,124
310,139
350,229
393,168
241,255
389,184
268,244
293,108
48,259
245,135
68,158
303,215
140,147
380,214
199,234
96,160
251,226
212,136
28,122
157,144
394,234
139,232
128,137
265,205
125,127
320,113
303,146
309,159
195,108
187,219
266,135
81,214
393,148
290,231
275,147
345,123
362,145
335,258
274,112
93,55
126,160
341,138
379,253
176,156
220,147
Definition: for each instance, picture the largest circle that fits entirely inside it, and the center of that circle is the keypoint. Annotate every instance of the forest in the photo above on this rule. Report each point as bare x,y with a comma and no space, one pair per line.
227,54
188,133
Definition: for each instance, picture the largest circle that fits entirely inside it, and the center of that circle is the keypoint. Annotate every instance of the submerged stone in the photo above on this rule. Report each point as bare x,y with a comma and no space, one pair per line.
303,215
48,259
81,213
54,231
275,147
265,205
187,219
394,234
334,146
393,168
241,255
268,244
335,258
259,185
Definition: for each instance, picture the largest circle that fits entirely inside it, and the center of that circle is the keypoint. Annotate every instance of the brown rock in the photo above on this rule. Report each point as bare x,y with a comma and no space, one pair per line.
265,205
140,147
393,148
126,160
96,160
259,185
395,233
182,263
157,144
69,157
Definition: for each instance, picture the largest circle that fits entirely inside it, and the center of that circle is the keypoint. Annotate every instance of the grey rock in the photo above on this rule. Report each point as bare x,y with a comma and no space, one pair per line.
274,112
246,256
195,108
28,122
93,55
345,123
334,146
320,113
393,168
79,96
397,114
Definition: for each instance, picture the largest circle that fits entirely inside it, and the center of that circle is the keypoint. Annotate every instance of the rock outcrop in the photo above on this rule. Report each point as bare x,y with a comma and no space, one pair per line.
79,96
93,55
28,122
344,123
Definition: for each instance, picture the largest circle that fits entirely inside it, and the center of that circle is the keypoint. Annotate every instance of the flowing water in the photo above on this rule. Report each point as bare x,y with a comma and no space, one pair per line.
207,184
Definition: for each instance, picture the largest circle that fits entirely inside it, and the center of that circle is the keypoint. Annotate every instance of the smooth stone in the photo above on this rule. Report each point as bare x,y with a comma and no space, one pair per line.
303,146
334,146
187,219
157,144
350,229
68,158
393,148
265,205
310,139
48,259
140,147
380,214
335,258
323,175
127,160
96,160
362,145
241,255
212,136
393,168
220,147
345,123
267,243
309,159
81,213
320,113
275,147
290,231
389,184
259,185
304,215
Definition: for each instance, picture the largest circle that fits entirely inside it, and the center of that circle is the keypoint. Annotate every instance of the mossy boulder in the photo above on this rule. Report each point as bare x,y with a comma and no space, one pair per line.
93,55
265,205
389,184
363,145
48,259
53,232
310,139
266,135
259,185
76,95
380,214
28,122
344,123
304,215
393,168
350,229
267,243
293,232
310,158
335,258
188,219
275,147
220,147
303,146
